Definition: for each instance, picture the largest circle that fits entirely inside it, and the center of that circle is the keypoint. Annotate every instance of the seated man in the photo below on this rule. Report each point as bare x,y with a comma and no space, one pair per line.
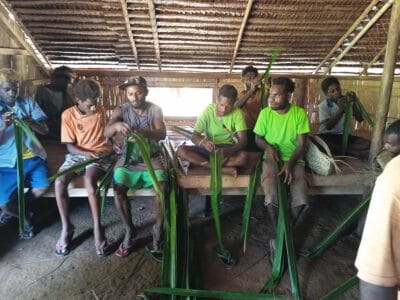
378,257
138,116
54,98
220,127
331,118
281,131
34,164
82,131
249,101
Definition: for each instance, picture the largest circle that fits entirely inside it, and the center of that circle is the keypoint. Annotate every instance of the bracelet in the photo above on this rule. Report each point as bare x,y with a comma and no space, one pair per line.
201,142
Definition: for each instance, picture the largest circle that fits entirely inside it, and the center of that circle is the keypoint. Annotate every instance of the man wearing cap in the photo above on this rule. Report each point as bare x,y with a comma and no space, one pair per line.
53,99
139,116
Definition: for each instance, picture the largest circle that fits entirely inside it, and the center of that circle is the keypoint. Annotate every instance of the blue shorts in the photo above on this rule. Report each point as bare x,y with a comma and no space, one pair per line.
204,153
36,176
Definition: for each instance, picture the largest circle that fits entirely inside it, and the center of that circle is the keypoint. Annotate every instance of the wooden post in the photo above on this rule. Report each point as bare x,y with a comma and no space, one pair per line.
386,86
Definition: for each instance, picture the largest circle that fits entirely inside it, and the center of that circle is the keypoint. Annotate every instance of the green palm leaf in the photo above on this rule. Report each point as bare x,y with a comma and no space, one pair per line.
266,73
348,112
28,131
351,217
173,238
79,167
211,294
185,132
216,192
144,150
284,232
103,187
20,173
251,192
277,267
362,109
332,295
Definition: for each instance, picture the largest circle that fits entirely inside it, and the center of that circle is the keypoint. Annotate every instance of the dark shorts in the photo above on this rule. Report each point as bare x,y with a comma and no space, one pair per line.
205,153
36,176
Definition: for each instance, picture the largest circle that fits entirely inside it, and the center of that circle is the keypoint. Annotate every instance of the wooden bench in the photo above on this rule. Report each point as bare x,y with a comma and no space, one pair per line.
355,180
351,181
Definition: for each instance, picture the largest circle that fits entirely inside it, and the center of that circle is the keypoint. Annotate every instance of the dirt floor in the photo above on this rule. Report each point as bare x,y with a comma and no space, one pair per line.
30,270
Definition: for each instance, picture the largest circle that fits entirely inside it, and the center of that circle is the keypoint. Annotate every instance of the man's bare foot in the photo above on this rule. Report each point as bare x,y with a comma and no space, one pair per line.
229,171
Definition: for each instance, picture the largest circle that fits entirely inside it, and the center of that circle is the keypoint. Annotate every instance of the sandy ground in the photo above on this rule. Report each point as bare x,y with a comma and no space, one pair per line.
30,269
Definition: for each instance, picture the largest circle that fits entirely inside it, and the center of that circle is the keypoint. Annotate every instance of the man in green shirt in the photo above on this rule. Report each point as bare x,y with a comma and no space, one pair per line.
220,127
281,131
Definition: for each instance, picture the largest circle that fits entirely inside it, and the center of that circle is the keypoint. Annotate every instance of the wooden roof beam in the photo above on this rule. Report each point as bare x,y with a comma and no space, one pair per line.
240,35
16,30
153,22
348,32
377,56
361,33
13,51
129,32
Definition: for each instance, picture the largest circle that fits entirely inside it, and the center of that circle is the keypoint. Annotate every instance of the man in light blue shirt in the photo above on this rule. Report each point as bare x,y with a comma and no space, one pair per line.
34,164
331,118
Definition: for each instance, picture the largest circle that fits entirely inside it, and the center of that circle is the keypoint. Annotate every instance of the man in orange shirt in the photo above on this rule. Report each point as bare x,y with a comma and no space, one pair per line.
249,101
82,130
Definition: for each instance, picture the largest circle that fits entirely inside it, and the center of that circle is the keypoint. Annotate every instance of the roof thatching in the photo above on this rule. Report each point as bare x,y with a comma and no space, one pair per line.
208,35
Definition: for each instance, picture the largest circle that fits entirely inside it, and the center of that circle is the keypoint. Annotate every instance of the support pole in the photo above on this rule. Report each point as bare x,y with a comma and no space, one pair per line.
386,86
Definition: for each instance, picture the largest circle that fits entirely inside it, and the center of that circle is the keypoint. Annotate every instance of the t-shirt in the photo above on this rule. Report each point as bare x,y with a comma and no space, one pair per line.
281,130
326,110
220,130
85,131
251,108
378,257
8,152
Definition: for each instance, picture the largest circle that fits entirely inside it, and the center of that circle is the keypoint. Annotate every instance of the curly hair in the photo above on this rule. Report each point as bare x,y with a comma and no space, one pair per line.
327,82
286,82
87,89
228,91
249,69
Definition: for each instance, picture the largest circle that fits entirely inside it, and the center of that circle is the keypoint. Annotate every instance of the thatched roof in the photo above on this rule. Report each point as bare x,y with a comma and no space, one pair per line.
209,35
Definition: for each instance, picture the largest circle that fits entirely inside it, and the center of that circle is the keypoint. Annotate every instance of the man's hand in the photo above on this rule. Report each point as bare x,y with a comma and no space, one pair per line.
122,127
208,145
7,118
273,153
351,97
287,169
225,153
91,155
342,101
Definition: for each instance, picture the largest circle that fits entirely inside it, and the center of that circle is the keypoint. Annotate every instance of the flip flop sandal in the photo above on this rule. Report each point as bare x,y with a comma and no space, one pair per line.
65,249
101,250
122,251
28,232
227,260
157,255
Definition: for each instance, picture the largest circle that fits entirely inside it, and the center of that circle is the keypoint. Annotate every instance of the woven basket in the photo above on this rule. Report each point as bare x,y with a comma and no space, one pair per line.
320,161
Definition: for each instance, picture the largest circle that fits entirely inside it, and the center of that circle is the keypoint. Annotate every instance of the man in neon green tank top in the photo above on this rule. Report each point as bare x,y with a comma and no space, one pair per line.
281,131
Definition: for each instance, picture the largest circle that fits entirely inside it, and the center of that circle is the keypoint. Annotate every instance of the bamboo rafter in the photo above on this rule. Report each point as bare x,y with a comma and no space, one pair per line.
153,22
129,32
361,33
348,32
240,34
374,60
